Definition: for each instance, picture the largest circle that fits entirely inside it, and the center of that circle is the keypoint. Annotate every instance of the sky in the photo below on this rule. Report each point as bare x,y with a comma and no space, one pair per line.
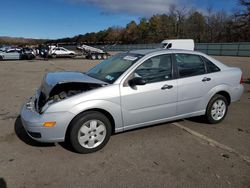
53,19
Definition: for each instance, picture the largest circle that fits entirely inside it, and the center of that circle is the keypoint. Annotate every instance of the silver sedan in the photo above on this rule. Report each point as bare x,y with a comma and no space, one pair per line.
128,91
10,54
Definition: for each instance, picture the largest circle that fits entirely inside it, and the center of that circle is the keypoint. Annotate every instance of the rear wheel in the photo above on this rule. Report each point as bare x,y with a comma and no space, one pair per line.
90,132
104,56
216,109
29,57
99,56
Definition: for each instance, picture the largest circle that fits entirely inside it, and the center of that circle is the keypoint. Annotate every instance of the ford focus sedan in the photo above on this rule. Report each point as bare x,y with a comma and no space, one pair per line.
129,90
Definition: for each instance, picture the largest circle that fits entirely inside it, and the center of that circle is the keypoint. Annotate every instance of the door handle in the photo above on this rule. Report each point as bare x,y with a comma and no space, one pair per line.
205,79
166,87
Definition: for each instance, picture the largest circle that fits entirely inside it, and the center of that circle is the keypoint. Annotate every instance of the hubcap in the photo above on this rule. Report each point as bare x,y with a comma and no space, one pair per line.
92,133
218,110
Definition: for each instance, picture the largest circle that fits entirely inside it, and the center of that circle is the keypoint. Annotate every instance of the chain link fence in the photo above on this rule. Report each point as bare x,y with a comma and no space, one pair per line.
220,49
224,49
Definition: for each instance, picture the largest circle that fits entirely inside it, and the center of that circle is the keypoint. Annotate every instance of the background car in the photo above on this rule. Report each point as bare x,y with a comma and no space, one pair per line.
61,52
10,54
27,53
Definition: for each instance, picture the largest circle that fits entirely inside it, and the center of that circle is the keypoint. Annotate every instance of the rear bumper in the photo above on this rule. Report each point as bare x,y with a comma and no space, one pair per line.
236,93
33,124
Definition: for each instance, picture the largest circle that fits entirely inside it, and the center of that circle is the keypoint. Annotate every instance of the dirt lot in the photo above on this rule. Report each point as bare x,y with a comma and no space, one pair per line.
158,156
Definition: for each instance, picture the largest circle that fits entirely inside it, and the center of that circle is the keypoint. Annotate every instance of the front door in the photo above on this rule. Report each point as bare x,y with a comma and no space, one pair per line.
153,102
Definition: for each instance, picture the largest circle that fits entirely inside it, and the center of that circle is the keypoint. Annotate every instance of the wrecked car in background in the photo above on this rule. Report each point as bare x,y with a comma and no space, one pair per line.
17,53
10,54
27,53
61,52
127,91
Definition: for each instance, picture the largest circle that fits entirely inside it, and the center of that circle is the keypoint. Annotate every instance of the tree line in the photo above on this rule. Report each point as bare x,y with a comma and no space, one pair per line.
19,41
178,23
212,26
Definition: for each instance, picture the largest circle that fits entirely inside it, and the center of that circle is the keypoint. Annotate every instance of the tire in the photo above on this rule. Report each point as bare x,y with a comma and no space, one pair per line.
216,109
104,56
89,132
93,56
1,58
99,56
53,55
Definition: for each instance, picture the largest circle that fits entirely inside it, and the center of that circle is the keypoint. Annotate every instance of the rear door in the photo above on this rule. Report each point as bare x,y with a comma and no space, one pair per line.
63,51
194,82
57,51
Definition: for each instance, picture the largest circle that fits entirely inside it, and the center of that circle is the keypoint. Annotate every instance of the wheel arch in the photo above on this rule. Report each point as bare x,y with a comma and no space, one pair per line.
104,112
226,95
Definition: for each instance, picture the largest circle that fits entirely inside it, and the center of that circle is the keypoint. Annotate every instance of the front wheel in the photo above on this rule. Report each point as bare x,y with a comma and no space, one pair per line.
90,132
216,109
93,57
53,55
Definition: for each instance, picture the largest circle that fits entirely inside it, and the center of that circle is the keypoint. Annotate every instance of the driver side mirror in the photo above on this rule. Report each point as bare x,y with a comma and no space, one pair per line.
137,81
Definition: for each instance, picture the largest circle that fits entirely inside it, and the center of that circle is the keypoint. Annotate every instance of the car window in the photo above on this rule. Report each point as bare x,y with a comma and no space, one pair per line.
155,69
169,45
111,69
189,65
210,66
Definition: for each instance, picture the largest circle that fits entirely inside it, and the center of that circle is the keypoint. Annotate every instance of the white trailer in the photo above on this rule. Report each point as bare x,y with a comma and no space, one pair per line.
92,52
183,44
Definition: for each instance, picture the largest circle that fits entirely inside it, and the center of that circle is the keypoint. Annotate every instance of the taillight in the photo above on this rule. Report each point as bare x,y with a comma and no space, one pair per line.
241,80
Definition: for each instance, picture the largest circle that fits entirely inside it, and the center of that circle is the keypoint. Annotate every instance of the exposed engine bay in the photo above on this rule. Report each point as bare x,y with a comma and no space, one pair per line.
62,91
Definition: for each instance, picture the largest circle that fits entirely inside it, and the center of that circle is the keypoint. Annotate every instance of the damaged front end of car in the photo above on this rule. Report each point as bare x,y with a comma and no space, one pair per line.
60,92
54,89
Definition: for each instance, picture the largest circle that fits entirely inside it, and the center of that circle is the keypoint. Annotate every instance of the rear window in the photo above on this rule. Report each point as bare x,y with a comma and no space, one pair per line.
210,66
189,65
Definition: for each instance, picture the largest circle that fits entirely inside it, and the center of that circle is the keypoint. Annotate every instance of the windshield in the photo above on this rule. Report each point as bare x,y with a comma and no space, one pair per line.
110,69
164,45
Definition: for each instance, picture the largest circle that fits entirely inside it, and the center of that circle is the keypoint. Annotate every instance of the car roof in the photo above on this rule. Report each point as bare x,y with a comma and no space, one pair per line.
159,51
149,51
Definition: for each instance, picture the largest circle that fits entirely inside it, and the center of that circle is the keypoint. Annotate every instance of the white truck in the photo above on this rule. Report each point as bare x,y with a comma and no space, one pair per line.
182,44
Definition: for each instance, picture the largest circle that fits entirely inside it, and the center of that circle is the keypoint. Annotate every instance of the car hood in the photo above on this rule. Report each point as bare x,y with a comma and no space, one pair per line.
52,79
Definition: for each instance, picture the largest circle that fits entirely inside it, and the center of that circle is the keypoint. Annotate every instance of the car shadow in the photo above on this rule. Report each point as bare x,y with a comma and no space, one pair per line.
23,136
3,183
67,146
198,119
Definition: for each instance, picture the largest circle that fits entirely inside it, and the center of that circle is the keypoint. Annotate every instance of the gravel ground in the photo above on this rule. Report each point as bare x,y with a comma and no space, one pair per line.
157,156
